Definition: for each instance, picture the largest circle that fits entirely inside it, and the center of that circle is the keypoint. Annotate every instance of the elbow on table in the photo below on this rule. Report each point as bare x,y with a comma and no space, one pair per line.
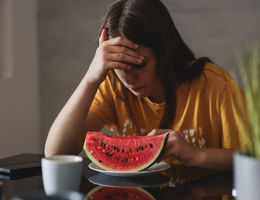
48,152
54,149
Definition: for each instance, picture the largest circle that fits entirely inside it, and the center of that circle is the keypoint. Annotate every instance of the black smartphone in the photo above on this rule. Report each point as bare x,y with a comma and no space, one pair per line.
21,165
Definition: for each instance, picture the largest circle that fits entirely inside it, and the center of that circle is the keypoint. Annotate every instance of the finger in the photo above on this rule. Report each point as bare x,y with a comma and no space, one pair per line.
159,131
153,132
159,159
118,65
122,42
120,57
124,50
103,36
163,156
179,133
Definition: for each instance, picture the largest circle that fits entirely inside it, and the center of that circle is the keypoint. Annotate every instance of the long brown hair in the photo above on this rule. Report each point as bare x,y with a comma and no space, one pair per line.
148,23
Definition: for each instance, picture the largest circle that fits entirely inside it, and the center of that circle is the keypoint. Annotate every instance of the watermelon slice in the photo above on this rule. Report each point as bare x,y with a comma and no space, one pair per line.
100,193
126,154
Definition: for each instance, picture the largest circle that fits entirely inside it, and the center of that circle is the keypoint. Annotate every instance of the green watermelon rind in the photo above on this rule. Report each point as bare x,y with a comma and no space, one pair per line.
164,142
146,192
92,191
95,189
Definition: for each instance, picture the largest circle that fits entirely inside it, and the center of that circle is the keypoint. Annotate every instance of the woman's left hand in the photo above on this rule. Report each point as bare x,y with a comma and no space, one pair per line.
177,147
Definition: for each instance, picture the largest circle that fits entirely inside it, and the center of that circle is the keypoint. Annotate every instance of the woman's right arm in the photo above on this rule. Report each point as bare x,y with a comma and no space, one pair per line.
67,133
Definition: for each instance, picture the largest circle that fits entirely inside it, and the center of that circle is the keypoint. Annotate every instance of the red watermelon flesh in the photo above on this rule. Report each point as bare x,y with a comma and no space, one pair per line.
109,193
126,154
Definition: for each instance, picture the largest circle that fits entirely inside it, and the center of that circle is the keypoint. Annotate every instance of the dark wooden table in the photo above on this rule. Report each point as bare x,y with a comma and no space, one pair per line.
178,182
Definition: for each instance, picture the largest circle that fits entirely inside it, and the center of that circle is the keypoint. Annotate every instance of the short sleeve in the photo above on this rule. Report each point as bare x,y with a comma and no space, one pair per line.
232,110
103,104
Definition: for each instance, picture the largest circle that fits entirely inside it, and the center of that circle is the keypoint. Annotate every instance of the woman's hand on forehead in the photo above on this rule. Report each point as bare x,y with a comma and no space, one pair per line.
121,41
115,53
122,50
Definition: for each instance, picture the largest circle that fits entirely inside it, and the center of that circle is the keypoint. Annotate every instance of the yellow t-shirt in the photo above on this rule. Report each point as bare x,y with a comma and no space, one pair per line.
207,111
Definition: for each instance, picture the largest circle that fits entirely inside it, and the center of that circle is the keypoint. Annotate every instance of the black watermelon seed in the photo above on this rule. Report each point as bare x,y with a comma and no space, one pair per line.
151,145
141,148
100,161
116,159
116,148
123,150
108,154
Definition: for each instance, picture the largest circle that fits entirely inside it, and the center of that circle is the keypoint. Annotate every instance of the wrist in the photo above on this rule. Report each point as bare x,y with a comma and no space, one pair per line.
93,83
197,157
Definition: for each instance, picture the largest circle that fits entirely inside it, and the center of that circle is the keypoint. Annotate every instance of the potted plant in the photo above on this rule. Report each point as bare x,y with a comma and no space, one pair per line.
247,161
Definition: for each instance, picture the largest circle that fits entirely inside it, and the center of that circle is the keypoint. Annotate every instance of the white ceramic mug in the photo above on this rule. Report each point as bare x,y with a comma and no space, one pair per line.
61,173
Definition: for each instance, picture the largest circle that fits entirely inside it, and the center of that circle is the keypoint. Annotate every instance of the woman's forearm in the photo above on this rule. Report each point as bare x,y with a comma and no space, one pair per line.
66,135
213,158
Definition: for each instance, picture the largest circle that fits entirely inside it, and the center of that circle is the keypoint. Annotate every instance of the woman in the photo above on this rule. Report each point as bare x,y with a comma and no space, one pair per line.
144,79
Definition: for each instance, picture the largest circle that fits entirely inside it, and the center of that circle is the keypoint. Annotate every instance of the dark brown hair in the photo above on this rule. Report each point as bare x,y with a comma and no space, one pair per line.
148,23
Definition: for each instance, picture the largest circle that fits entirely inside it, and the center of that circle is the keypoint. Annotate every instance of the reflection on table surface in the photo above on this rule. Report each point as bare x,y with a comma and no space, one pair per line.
178,182
129,182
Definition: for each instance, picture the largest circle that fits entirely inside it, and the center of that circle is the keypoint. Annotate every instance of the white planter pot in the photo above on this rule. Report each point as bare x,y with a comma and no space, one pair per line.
246,177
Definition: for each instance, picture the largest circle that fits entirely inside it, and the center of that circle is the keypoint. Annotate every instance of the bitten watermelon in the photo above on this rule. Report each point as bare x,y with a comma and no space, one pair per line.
126,154
100,193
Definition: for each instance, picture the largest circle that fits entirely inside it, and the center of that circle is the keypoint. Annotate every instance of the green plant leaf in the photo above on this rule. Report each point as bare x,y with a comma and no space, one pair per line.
249,70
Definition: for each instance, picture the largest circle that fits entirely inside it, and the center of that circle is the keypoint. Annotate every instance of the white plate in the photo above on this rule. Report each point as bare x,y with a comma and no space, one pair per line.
157,167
